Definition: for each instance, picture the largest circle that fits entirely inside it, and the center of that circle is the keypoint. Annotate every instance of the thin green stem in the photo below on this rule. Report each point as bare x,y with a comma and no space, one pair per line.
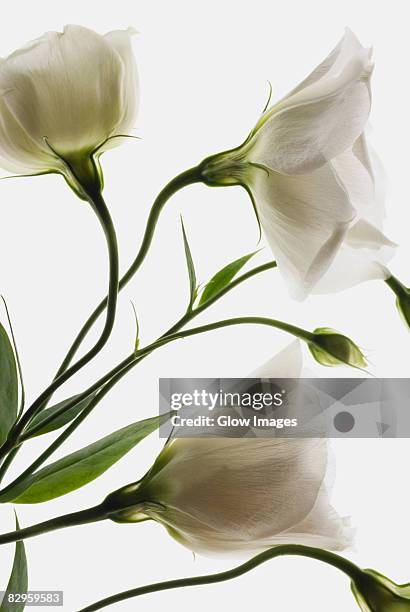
182,180
340,563
132,360
91,515
8,461
34,429
287,327
104,217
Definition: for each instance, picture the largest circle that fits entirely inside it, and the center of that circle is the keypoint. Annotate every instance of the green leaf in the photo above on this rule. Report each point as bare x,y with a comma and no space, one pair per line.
190,266
65,417
83,466
18,582
18,363
137,328
8,385
223,278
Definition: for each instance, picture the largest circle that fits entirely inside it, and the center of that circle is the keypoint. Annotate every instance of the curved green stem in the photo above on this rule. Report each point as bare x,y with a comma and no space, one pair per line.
103,215
188,177
287,327
340,563
131,360
97,386
182,180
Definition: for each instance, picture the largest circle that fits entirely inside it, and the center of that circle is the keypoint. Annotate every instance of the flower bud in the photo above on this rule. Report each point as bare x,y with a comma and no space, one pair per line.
65,97
376,593
330,348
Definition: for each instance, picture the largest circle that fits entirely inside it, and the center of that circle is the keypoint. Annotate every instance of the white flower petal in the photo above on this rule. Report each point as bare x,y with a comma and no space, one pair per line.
322,527
353,266
320,120
244,494
364,235
19,153
121,41
356,179
348,47
362,175
286,364
305,219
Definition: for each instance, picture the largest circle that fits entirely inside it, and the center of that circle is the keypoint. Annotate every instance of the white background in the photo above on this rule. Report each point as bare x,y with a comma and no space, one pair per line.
204,69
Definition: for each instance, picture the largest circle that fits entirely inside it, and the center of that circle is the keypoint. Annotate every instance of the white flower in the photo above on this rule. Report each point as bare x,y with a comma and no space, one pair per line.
312,178
63,97
225,495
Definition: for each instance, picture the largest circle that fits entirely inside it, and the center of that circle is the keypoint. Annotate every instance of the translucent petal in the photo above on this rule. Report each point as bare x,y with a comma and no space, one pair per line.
319,120
286,364
305,219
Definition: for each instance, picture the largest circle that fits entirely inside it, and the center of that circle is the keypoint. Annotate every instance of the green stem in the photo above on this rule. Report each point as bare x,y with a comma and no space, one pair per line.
193,175
287,327
340,563
182,180
103,215
91,515
132,360
8,461
33,430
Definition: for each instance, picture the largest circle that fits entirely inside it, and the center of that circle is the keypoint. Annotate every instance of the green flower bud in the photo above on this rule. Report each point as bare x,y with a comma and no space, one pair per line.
376,593
330,348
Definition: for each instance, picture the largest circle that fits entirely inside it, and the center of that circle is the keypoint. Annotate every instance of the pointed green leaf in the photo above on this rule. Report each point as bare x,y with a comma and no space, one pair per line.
18,363
8,385
18,582
65,417
190,266
223,278
137,328
83,466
